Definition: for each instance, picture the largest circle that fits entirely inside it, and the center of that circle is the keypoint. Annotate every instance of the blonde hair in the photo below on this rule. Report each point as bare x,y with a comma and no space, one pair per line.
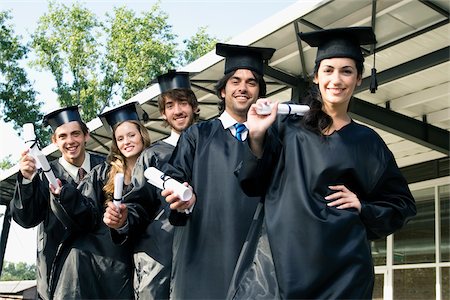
118,161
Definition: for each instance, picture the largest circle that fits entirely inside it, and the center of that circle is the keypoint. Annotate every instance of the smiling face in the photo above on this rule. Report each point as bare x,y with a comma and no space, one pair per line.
240,92
178,114
70,140
337,79
129,140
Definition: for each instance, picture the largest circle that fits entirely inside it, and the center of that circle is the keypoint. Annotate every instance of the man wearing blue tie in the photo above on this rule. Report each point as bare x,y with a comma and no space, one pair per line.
207,248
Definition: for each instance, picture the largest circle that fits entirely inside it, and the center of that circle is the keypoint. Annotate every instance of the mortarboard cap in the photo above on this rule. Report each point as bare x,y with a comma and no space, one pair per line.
62,116
128,111
339,42
174,80
244,57
342,42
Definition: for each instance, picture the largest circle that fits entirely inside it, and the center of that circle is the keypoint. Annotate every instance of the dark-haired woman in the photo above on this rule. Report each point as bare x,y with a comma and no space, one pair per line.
331,185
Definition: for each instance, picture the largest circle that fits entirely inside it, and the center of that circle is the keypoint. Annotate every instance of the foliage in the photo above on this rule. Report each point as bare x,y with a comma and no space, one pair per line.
94,62
17,96
138,49
6,163
66,43
198,45
18,271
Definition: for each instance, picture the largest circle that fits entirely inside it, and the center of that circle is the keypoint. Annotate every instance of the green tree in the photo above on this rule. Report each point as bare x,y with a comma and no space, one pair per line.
66,42
198,45
18,271
138,49
95,62
17,96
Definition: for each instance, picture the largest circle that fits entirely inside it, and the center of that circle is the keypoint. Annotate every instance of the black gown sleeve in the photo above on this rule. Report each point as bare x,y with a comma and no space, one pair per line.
142,203
255,174
389,206
79,208
179,167
29,203
142,200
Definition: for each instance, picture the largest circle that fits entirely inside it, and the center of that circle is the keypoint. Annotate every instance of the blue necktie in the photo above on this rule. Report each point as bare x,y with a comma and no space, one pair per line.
240,128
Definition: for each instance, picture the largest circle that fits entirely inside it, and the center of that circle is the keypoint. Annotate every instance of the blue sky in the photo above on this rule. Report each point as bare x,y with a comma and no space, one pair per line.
224,18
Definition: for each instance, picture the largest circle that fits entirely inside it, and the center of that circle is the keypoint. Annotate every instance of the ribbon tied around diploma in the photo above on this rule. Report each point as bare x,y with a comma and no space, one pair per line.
163,181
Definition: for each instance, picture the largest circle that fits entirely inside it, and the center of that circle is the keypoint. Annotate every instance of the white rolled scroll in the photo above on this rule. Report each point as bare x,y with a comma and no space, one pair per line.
29,138
161,181
283,109
118,188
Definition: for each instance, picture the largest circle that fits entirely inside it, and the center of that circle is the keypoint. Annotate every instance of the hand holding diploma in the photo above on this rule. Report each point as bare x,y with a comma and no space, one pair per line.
161,181
39,158
179,195
114,216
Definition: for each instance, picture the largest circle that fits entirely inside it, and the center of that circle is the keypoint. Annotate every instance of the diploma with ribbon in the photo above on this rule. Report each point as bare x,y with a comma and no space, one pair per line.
118,188
162,181
29,138
283,109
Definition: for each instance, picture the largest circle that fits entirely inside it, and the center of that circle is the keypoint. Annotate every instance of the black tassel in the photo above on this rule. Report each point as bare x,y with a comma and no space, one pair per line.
373,81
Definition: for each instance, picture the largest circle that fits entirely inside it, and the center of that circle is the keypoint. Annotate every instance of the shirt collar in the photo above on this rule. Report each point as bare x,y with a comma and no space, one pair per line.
173,138
73,170
228,121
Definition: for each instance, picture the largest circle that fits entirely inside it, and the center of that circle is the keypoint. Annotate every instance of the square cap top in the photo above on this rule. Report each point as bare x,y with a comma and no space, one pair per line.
339,42
174,80
62,116
126,112
244,57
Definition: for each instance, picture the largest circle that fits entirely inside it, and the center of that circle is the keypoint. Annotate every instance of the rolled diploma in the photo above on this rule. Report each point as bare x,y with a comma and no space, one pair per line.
118,188
48,172
156,178
283,109
29,137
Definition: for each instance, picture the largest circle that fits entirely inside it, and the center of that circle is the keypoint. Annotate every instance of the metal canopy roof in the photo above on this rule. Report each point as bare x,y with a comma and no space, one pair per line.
410,110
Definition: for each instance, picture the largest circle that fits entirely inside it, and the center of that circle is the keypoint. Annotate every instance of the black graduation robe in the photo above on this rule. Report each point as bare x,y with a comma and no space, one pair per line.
207,248
322,252
103,266
30,207
153,249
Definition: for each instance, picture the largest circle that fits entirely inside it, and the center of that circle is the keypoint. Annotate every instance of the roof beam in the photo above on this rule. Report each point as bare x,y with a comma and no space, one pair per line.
421,63
282,77
436,8
406,127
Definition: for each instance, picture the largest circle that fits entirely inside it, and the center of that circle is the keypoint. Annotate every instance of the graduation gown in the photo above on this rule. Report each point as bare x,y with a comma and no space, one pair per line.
207,248
30,207
153,249
104,267
322,252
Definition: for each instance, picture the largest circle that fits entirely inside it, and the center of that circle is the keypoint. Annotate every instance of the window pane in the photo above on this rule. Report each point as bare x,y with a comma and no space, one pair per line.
379,252
445,223
415,243
378,287
445,283
415,284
